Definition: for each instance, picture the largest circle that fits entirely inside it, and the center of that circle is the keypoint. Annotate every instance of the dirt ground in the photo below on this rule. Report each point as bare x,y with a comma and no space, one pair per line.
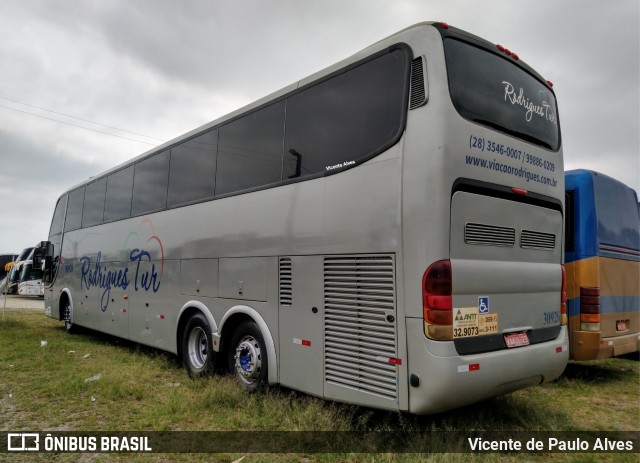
35,304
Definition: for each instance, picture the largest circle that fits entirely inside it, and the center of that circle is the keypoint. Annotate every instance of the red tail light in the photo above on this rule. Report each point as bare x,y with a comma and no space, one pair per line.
563,297
437,302
589,308
589,300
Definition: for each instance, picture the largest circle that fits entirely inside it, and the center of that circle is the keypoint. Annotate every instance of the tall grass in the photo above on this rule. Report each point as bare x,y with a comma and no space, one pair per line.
137,388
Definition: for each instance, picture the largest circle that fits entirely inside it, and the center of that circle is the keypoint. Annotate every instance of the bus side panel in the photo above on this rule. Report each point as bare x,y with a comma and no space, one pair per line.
154,299
301,314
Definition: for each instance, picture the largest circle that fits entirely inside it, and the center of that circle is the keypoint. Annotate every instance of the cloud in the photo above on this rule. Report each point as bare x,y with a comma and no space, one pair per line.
163,68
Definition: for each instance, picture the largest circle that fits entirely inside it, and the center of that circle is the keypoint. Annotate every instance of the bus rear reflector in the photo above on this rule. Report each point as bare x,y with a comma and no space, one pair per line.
437,302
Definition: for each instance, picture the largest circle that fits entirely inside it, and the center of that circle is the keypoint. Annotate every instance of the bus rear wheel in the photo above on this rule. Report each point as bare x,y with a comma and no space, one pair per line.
247,357
197,348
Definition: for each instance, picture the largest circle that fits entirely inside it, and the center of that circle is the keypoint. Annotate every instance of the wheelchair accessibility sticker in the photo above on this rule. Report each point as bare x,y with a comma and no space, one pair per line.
483,304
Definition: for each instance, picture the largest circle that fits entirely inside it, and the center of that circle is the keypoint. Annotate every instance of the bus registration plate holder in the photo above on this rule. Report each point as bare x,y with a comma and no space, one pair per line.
516,339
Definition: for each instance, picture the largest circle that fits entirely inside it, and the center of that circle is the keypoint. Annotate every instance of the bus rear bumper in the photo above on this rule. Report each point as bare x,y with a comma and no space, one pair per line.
447,380
586,345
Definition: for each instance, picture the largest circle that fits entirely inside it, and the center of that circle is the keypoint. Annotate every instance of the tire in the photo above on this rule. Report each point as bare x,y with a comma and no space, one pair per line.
67,317
247,357
198,356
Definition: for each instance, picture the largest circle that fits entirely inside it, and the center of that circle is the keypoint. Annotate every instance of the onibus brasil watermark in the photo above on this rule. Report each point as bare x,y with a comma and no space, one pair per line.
35,442
427,441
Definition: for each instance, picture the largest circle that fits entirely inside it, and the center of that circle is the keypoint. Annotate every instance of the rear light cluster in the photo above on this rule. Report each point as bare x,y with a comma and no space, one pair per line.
563,298
515,56
507,52
589,309
437,302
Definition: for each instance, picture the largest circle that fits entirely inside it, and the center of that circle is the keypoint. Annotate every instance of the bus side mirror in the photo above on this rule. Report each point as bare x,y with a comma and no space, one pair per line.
43,259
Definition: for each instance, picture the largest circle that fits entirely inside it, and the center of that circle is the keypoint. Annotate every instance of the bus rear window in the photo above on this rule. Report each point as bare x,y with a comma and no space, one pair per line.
488,89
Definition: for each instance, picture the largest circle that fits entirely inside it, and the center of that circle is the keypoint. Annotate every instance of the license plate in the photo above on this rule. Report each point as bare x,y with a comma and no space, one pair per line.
516,339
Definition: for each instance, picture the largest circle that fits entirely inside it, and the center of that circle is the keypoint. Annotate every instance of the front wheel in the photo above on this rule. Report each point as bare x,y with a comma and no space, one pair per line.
247,357
197,348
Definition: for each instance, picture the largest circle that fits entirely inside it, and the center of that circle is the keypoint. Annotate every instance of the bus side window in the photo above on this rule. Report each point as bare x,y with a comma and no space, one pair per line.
569,221
150,180
250,150
58,217
192,170
118,200
93,210
350,116
74,210
55,235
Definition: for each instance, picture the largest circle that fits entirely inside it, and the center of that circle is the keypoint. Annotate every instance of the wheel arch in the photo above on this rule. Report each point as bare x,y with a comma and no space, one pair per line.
186,312
233,318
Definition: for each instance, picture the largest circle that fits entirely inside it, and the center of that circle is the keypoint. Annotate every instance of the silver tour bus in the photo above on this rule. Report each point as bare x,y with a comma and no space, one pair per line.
386,232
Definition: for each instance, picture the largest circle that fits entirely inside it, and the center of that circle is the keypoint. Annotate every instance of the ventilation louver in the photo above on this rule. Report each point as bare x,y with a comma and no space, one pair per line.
537,240
489,235
286,292
359,324
418,94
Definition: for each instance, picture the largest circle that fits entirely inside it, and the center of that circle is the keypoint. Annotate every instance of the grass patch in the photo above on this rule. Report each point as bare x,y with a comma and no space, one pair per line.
55,388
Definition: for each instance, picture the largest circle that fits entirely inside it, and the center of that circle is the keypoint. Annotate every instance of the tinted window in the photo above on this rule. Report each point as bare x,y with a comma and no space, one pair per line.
617,212
74,210
250,150
150,184
193,169
93,211
55,233
118,201
346,118
491,90
58,217
569,221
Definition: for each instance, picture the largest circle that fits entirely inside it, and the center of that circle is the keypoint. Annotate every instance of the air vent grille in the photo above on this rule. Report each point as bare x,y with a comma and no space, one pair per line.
418,92
489,235
286,292
359,324
537,240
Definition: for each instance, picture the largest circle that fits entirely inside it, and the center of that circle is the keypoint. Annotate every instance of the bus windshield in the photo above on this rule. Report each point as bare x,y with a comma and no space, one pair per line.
488,89
618,225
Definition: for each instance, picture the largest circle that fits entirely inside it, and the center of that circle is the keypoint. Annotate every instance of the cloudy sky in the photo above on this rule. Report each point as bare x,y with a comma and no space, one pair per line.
75,72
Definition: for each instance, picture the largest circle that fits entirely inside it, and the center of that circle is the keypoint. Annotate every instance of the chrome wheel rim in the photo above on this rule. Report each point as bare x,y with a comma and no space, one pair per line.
198,347
248,360
68,311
